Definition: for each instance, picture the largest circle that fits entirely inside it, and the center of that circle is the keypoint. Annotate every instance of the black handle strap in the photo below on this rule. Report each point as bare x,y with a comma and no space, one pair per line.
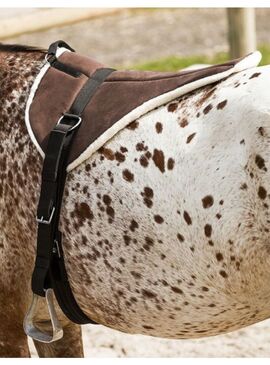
49,270
54,62
55,45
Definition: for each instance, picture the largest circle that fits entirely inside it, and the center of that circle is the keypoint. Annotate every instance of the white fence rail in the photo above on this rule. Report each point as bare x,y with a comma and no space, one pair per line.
241,31
41,19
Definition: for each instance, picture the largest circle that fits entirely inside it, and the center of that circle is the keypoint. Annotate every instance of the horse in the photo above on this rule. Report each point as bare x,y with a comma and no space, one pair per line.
165,227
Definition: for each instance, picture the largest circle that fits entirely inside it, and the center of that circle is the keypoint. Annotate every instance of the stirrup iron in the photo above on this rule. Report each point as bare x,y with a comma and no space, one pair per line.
29,325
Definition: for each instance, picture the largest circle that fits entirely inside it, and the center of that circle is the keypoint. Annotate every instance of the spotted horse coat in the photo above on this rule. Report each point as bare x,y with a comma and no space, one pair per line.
166,227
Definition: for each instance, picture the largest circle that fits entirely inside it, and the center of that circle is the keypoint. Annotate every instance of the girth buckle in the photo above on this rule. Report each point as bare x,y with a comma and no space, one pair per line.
71,117
31,329
46,221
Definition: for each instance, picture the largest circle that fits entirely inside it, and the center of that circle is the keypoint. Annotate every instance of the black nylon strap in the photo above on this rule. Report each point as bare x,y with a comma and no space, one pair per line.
88,90
63,67
50,203
49,270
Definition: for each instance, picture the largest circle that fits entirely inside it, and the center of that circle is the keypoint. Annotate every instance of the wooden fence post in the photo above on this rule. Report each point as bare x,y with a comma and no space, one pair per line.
241,31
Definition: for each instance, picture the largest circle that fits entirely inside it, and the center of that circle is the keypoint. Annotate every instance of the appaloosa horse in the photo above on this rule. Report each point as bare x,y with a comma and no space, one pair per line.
166,226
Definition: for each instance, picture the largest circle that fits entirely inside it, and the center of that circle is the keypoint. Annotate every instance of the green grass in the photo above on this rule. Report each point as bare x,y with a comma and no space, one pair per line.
265,50
174,63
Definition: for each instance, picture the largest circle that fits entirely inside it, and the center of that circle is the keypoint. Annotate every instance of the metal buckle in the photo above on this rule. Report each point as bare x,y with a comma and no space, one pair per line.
56,249
71,116
29,321
50,57
44,221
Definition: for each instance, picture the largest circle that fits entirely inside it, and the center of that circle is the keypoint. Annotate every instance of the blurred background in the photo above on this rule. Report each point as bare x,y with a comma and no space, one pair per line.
154,39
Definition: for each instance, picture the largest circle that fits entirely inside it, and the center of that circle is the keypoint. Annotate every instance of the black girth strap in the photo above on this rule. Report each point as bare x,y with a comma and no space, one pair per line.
49,270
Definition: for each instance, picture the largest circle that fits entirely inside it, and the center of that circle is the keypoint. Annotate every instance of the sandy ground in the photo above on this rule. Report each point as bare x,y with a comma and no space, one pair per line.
125,39
100,341
249,342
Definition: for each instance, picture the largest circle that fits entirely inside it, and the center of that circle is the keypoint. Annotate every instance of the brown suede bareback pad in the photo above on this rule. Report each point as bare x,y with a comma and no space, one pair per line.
121,92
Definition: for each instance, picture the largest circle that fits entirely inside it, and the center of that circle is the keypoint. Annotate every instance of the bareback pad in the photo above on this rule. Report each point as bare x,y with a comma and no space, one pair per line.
120,100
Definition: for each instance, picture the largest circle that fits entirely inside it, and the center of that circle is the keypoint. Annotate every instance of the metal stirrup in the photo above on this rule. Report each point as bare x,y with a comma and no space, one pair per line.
31,329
